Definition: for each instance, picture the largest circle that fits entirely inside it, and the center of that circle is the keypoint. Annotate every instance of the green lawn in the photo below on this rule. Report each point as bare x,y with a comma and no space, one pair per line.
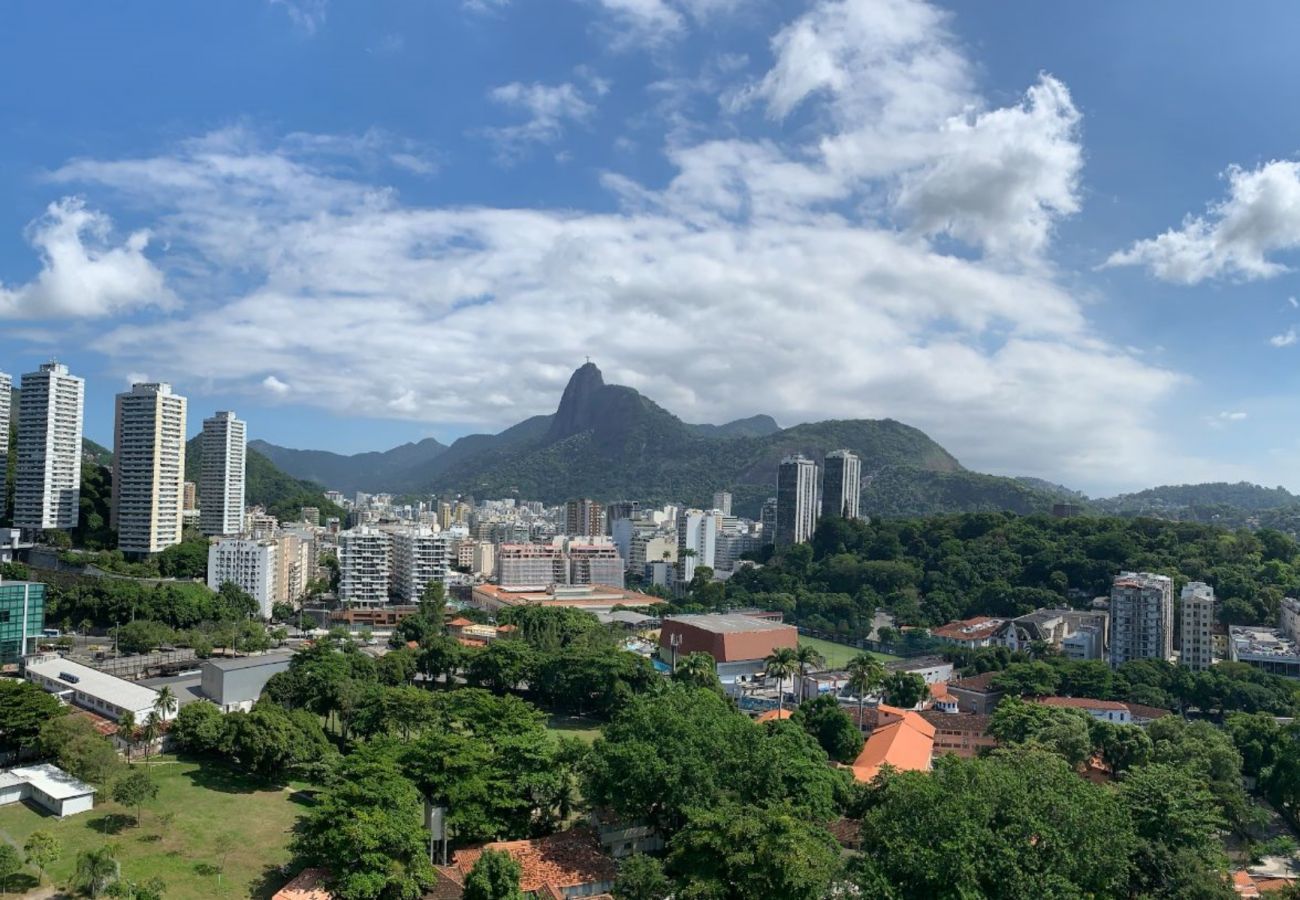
574,726
197,802
838,655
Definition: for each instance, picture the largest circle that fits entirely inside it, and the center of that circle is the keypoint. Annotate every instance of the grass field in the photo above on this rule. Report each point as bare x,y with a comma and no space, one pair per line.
197,803
573,726
838,655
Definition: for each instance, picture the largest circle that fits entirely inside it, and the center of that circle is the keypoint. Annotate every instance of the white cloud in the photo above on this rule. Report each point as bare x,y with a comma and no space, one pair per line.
1285,339
83,273
1236,237
783,246
1225,418
1295,304
550,108
306,15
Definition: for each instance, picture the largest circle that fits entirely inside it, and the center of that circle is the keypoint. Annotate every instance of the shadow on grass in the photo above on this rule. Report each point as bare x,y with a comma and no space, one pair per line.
20,884
217,776
112,823
269,882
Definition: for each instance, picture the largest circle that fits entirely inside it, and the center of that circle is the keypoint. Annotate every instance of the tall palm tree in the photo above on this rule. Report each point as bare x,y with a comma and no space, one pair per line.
808,658
126,731
783,663
165,703
95,868
697,669
153,727
866,674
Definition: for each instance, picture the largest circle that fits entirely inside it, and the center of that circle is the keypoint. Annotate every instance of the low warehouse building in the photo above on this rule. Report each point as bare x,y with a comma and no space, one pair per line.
235,684
738,643
99,692
49,787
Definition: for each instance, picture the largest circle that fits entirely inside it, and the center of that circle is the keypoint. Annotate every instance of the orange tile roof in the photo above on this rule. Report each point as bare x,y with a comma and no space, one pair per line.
906,744
568,859
773,714
306,885
459,622
471,642
507,628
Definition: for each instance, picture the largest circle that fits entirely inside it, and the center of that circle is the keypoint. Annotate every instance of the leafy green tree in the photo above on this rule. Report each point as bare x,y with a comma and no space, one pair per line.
24,708
1177,822
188,559
1014,824
142,636
502,666
831,727
199,728
373,818
905,689
135,789
397,667
547,628
77,748
128,732
737,852
494,876
641,877
781,663
1122,747
11,863
1031,679
42,850
282,611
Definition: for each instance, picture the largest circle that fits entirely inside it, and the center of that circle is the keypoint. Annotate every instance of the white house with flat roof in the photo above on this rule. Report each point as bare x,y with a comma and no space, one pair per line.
49,786
91,689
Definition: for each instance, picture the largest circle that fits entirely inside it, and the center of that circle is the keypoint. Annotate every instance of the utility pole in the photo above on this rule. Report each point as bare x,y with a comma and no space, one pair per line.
675,641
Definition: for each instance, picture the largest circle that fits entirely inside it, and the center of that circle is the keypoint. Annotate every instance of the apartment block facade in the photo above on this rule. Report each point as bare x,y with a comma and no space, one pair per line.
221,483
365,566
420,555
149,468
1197,626
796,500
47,479
248,563
1141,617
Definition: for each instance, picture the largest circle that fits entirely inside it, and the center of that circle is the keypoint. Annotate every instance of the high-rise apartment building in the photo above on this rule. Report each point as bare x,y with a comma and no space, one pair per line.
47,480
596,564
1141,617
722,502
149,468
249,564
584,517
1197,621
365,566
841,484
6,395
420,555
767,519
697,541
531,565
294,564
796,500
1289,618
221,484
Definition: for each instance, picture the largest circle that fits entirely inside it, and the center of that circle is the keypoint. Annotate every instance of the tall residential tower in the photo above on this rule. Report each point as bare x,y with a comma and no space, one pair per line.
796,500
6,393
148,468
47,482
1141,617
221,484
1197,648
841,484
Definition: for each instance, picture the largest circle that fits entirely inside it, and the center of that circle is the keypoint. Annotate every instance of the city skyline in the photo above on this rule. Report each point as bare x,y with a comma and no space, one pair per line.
1046,331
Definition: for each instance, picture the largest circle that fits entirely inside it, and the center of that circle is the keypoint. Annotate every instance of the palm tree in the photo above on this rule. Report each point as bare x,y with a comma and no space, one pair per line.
697,669
866,674
153,727
165,703
808,658
95,868
126,731
782,663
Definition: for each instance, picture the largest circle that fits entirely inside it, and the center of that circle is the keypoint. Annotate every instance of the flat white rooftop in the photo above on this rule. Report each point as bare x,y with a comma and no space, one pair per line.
110,688
49,780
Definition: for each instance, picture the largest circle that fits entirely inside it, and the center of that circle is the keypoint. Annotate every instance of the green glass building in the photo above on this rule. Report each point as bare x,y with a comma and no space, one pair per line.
22,618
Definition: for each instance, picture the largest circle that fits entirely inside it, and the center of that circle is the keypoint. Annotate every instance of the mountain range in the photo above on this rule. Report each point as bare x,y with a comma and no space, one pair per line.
609,441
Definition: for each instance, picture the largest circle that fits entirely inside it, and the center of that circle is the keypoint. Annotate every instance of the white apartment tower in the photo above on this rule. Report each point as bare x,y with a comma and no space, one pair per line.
47,481
796,500
420,555
221,483
365,565
249,564
6,394
841,484
722,502
697,541
1141,617
1197,622
148,468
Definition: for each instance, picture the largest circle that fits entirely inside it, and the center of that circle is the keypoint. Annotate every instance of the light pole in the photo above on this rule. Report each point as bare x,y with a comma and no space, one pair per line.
675,641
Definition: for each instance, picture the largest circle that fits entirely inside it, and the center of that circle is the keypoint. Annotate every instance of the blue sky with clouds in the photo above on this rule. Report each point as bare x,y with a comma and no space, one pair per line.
1060,239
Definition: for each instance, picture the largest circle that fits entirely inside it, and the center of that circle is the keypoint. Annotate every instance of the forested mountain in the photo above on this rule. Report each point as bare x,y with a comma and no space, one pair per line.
349,474
1174,497
265,485
609,441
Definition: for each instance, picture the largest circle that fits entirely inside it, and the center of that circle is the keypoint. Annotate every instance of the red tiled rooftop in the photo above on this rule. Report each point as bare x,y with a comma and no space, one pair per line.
568,859
773,714
1140,711
306,885
906,744
1083,703
981,683
459,622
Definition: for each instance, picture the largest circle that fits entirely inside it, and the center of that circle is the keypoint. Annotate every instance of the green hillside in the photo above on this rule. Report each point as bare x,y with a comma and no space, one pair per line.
282,495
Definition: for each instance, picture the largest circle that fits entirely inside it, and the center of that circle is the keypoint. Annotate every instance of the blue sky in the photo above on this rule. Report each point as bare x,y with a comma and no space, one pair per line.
1057,238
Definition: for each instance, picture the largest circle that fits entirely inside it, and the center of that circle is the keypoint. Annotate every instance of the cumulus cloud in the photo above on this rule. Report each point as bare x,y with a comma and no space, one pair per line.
83,272
1225,418
786,245
549,108
1236,237
306,15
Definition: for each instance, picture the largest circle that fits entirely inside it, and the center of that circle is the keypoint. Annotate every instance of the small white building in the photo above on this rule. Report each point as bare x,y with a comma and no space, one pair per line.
49,786
249,564
91,689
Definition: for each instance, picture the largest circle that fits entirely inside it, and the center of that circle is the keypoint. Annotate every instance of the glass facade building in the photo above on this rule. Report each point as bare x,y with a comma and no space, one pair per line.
22,618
